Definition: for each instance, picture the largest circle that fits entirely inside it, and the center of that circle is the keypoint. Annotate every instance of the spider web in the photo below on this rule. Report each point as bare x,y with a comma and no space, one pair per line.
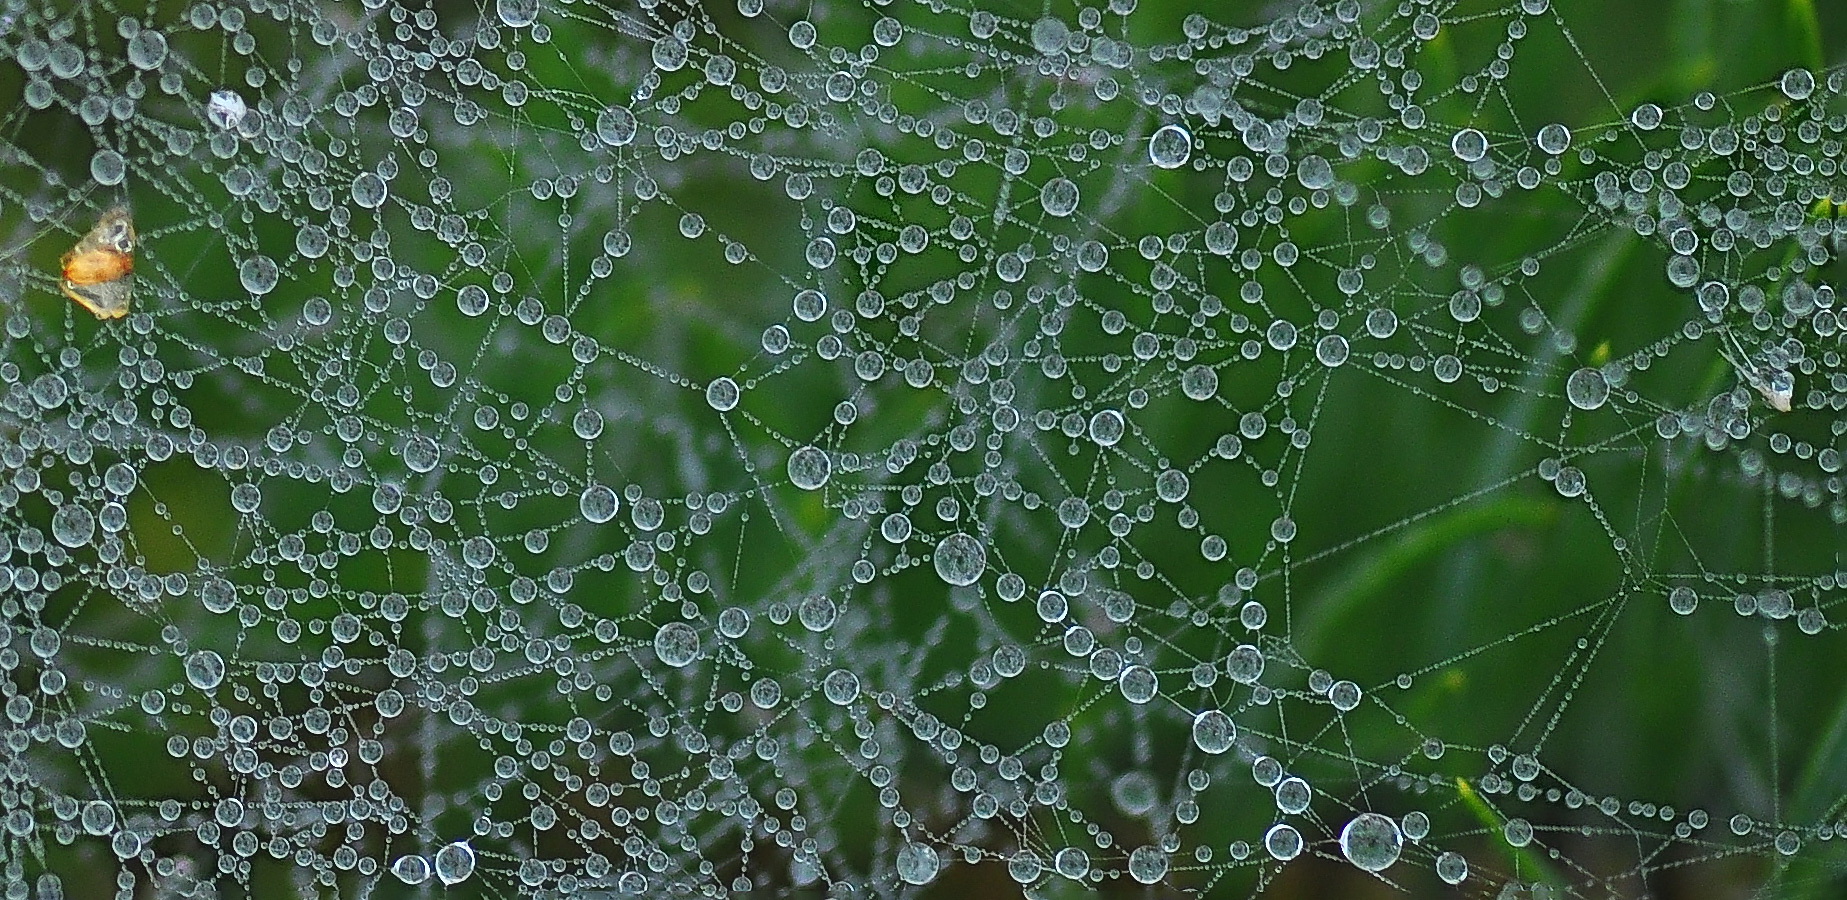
664,449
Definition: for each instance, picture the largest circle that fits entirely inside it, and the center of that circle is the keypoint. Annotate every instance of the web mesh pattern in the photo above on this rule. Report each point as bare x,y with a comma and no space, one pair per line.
879,449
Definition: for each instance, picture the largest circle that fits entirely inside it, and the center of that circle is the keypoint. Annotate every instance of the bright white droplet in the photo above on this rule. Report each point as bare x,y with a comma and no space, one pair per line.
205,669
517,13
1469,145
411,869
960,559
918,863
225,109
1554,138
1451,867
1283,842
598,504
1106,427
1147,864
1587,389
1798,84
1213,731
809,468
677,644
1059,197
1170,146
1371,841
454,863
722,394
259,275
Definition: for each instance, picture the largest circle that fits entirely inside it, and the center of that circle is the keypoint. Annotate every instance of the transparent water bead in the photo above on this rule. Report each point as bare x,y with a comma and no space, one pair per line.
454,863
1452,867
918,863
809,468
1214,732
1147,865
1587,389
676,644
1283,842
226,109
960,559
598,504
1371,841
411,869
1059,197
205,669
1797,84
1469,145
1170,146
1554,139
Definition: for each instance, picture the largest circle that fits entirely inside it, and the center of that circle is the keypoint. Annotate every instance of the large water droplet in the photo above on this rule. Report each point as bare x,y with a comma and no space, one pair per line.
1371,841
809,467
960,559
677,644
1170,146
205,669
454,863
917,863
1587,389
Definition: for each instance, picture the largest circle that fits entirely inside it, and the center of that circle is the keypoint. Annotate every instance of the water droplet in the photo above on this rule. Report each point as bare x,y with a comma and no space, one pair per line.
226,109
478,552
1798,84
1147,865
205,669
148,49
421,454
98,817
1554,138
616,126
1331,350
1314,172
917,863
411,869
1293,795
1213,731
1451,867
809,468
73,526
598,504
370,191
1371,841
960,559
722,394
1587,389
472,300
1024,867
516,14
1170,146
1138,684
259,274
1283,842
107,167
1106,428
677,644
1059,197
1199,382
1469,145
454,863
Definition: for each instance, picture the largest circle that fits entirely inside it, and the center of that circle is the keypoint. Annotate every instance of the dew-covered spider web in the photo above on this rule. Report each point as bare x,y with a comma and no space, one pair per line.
850,449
